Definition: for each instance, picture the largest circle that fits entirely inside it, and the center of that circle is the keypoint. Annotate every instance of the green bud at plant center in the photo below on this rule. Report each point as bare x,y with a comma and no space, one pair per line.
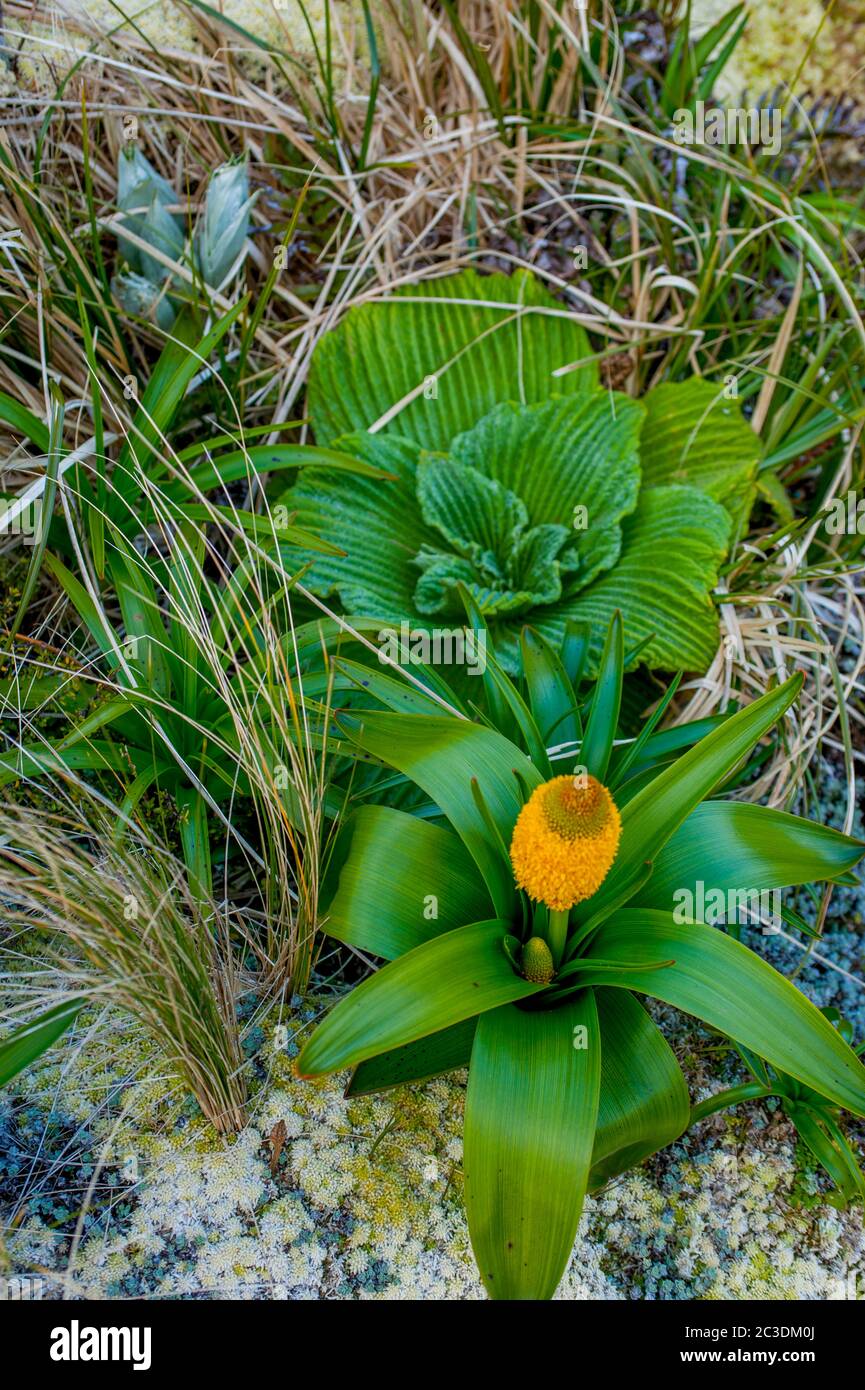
537,961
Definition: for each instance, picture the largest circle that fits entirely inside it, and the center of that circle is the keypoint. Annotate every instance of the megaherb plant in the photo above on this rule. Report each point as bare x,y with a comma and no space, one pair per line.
520,932
517,476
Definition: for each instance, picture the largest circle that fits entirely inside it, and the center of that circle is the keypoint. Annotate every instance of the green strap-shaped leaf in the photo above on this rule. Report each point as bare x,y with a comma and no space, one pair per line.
37,760
441,1052
24,1045
733,845
551,695
603,717
440,983
452,348
272,458
644,1101
442,756
718,980
651,817
531,1108
394,692
398,881
24,421
829,1146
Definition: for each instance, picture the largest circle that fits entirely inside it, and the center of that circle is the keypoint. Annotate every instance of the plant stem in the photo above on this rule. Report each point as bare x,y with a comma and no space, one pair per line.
557,934
749,1090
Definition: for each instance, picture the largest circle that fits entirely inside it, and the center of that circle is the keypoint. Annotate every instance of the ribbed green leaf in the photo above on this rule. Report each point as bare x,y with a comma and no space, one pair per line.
694,435
417,1061
390,872
376,523
22,1047
669,599
718,980
531,1107
560,456
473,340
438,984
644,1101
735,845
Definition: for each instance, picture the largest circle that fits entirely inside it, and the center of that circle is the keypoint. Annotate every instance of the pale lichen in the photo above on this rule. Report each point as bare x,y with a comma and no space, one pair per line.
797,45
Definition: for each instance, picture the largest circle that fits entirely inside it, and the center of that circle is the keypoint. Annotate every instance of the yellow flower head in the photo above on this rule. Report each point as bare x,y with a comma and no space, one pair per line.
565,840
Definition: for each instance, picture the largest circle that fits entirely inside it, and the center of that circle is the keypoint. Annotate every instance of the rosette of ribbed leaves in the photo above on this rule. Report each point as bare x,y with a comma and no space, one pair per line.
544,496
570,1080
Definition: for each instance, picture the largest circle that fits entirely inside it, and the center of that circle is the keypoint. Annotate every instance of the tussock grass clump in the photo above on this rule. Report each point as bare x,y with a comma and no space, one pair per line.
119,926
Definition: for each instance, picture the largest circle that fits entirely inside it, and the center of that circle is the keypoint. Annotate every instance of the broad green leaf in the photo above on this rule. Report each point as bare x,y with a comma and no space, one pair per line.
442,982
531,1107
442,756
442,1052
667,604
22,1047
695,436
451,348
733,845
718,980
562,454
644,1102
390,873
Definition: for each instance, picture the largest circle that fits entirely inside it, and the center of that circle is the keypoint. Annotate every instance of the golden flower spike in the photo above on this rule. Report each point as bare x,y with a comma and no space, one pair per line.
563,845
